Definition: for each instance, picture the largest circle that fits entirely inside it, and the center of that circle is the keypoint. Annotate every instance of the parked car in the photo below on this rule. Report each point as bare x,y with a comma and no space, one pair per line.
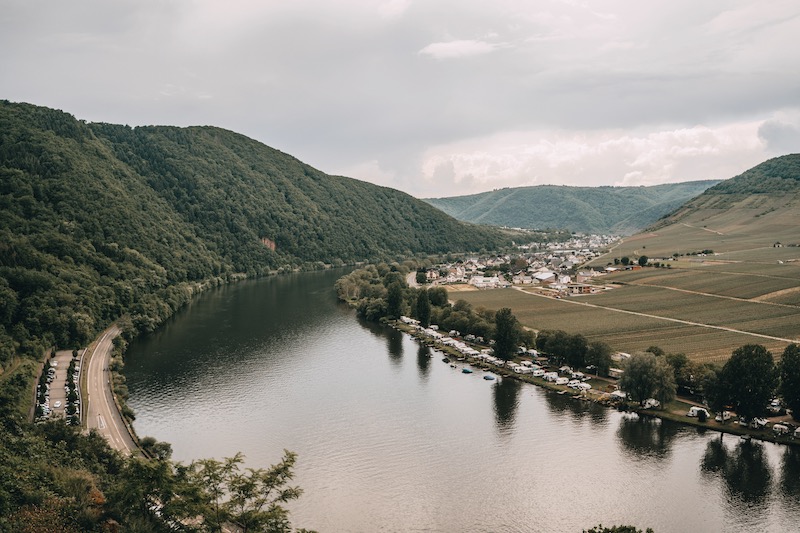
651,403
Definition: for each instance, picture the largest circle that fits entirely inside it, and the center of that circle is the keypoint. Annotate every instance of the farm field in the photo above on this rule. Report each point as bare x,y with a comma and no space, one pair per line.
709,281
628,332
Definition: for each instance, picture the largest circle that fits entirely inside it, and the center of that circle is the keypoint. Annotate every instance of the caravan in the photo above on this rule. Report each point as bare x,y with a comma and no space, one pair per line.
780,429
694,411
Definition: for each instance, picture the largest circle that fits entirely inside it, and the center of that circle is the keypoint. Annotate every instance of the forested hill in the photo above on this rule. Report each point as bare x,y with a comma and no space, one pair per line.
615,210
101,219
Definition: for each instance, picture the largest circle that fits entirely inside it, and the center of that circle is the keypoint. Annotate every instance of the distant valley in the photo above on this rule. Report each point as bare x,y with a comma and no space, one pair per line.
599,210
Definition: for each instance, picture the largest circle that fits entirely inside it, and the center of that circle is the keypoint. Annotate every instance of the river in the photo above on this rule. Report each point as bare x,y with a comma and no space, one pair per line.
390,438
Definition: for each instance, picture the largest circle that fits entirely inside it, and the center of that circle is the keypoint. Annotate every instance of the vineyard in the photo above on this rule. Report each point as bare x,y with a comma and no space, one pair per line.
615,324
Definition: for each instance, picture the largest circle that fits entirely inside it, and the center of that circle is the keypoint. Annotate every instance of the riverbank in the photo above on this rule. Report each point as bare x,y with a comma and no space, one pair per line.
600,393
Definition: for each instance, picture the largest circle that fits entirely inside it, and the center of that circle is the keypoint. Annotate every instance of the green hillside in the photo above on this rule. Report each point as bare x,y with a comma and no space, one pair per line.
97,220
744,218
615,210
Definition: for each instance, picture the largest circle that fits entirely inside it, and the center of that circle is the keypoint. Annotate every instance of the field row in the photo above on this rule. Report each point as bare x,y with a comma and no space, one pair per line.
629,333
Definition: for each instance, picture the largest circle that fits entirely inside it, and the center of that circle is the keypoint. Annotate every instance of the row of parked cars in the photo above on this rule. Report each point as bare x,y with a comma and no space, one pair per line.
755,423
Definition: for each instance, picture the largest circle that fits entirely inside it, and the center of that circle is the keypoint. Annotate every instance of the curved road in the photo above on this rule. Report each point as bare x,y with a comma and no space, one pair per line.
101,411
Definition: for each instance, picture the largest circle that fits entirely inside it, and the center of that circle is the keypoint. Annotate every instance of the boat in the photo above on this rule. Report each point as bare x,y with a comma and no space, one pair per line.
445,360
466,371
452,365
488,377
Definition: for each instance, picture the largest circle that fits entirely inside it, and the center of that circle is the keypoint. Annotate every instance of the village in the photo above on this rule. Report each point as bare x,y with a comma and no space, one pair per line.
552,266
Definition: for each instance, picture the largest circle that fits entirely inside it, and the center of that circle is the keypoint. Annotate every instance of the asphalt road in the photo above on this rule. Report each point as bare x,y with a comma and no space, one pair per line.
102,414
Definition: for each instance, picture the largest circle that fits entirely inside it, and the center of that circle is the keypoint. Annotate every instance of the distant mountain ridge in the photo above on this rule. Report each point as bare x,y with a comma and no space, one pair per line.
608,210
745,216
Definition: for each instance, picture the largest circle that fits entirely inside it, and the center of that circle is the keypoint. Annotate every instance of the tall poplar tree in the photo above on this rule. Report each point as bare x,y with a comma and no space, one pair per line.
423,309
790,379
506,337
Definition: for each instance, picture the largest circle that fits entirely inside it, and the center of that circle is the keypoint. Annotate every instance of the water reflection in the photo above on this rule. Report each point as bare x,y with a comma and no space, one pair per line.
506,400
745,470
423,360
790,479
561,404
645,437
394,345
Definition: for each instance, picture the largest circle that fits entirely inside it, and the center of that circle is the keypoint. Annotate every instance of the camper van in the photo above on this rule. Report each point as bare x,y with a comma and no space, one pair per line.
780,429
694,411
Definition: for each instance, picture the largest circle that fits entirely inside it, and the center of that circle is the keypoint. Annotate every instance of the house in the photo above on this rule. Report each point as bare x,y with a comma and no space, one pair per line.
585,275
483,282
579,288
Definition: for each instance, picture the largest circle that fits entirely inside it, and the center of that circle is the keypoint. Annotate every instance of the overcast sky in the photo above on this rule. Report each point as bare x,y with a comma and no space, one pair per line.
435,98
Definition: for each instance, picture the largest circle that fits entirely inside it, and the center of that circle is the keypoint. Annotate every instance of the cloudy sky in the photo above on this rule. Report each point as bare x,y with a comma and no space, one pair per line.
436,98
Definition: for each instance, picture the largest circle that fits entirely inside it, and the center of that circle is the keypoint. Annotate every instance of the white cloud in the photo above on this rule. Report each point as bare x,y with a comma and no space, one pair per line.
462,48
611,157
539,92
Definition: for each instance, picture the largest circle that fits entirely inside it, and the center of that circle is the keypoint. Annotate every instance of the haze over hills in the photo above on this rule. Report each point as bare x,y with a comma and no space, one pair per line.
608,210
101,219
753,216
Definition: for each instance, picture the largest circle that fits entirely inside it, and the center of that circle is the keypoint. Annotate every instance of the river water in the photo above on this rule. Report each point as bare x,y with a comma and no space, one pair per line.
390,438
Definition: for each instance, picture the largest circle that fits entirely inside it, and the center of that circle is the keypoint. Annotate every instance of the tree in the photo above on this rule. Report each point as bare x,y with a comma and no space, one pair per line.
643,260
251,499
749,379
394,300
423,308
683,369
647,376
626,260
575,350
438,296
421,277
599,355
506,334
790,379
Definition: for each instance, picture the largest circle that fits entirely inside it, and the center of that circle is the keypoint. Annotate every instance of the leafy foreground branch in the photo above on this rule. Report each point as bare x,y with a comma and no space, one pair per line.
210,495
53,478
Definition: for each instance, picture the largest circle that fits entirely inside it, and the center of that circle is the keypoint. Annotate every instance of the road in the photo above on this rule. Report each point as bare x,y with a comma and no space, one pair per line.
101,411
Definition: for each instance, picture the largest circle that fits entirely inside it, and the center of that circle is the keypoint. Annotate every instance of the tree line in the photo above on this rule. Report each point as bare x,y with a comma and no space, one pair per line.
745,383
380,292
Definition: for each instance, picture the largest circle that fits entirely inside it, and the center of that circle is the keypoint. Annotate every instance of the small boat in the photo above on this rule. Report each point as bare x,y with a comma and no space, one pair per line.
452,365
466,371
488,377
445,360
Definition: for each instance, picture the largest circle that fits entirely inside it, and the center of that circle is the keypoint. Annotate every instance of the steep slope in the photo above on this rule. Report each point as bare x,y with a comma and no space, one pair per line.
618,210
751,217
100,219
